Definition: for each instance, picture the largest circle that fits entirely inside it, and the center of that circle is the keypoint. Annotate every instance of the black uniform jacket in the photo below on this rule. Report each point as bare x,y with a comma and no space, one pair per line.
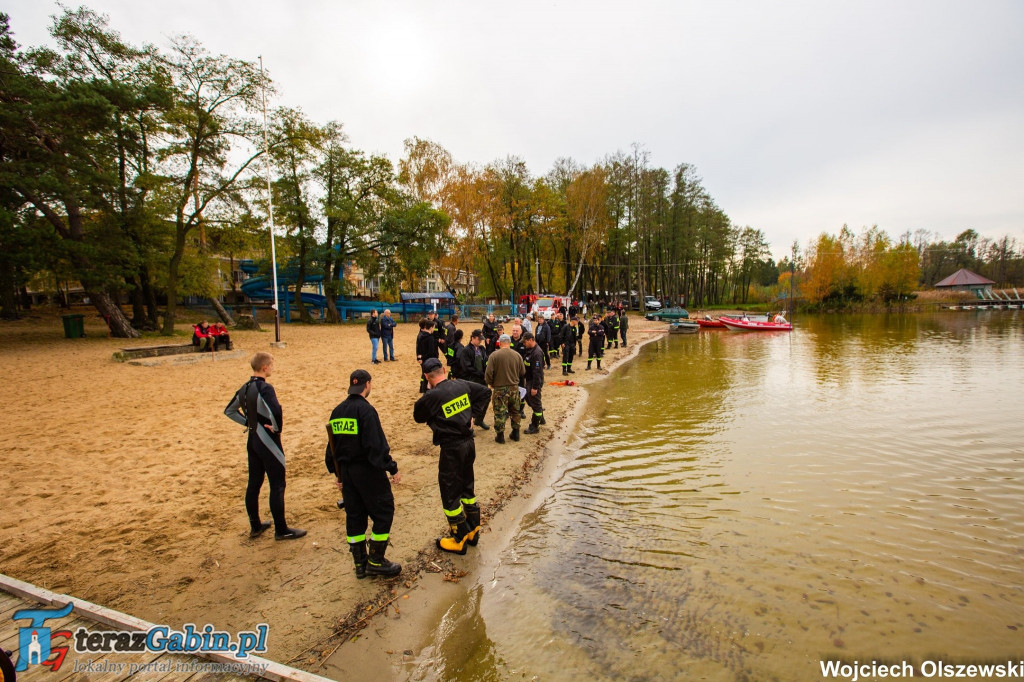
597,332
449,408
534,367
569,335
466,366
543,334
357,436
426,346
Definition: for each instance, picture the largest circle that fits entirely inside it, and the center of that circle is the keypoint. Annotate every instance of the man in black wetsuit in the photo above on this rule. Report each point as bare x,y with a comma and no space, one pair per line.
255,406
448,409
359,456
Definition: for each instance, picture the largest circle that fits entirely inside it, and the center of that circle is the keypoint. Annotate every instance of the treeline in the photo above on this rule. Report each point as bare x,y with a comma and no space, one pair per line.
871,266
135,171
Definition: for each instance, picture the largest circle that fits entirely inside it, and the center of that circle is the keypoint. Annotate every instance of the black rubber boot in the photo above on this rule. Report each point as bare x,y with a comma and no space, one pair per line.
565,371
533,425
514,435
256,532
358,550
616,344
543,420
571,370
599,363
457,541
588,364
480,424
376,564
473,521
499,437
290,534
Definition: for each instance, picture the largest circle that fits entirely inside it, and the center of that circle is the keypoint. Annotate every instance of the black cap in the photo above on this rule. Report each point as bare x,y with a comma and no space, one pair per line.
357,382
430,364
477,334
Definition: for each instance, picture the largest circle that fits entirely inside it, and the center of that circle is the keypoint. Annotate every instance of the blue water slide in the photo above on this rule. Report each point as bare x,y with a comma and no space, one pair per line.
258,289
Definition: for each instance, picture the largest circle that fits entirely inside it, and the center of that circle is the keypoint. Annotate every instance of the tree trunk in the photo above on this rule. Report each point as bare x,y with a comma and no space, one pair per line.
223,314
8,292
138,303
119,325
152,321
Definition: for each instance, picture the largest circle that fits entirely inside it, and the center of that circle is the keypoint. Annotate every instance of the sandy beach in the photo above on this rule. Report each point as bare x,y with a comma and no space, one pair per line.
123,484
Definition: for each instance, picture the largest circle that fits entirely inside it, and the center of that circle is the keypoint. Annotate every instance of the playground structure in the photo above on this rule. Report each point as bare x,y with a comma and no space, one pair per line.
257,288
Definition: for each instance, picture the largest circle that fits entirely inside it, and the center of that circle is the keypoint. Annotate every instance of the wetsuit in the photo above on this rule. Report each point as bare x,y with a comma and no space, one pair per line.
361,459
256,407
448,409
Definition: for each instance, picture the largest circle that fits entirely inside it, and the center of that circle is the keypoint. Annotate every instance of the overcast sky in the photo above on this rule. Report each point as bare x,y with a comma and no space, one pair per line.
799,116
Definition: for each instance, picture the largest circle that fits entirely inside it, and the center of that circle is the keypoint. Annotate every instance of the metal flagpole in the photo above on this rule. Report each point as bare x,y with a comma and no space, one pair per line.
270,209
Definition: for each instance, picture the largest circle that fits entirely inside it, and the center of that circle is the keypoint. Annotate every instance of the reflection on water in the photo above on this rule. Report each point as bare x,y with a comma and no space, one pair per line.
741,506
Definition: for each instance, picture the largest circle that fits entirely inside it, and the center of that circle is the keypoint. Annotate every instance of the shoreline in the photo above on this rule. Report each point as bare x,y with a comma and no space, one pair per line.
395,642
125,483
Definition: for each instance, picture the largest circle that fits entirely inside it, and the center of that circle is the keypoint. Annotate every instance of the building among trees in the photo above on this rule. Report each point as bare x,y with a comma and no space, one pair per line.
965,280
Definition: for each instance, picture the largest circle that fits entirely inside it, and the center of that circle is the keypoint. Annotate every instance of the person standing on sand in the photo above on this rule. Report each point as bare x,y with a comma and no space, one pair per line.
426,348
256,407
387,335
448,409
359,456
373,329
534,359
505,369
623,326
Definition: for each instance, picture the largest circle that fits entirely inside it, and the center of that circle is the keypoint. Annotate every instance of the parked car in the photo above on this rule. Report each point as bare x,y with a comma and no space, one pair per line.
668,314
650,302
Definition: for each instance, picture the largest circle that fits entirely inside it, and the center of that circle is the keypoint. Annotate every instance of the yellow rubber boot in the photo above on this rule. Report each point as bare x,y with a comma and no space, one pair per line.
456,542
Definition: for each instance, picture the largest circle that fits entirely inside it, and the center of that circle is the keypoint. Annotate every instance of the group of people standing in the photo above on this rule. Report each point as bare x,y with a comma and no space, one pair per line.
494,368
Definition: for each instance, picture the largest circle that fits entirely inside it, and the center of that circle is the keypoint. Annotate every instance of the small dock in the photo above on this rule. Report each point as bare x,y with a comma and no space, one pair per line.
18,597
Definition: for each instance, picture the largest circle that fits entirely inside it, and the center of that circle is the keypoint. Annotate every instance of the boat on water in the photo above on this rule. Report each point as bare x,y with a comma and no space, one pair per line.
683,327
738,324
709,323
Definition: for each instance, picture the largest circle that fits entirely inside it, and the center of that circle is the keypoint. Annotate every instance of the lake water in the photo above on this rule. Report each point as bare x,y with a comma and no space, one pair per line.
742,506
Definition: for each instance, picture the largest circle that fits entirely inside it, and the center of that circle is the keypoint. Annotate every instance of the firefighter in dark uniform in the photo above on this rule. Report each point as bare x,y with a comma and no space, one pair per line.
490,332
609,328
623,326
557,327
534,381
359,456
440,332
574,311
255,406
615,329
596,332
448,409
569,345
543,335
426,348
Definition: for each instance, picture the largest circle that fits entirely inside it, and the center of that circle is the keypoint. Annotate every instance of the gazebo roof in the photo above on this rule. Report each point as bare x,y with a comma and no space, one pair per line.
964,278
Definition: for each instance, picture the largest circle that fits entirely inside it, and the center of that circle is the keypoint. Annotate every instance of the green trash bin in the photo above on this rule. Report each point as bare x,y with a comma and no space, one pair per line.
74,326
